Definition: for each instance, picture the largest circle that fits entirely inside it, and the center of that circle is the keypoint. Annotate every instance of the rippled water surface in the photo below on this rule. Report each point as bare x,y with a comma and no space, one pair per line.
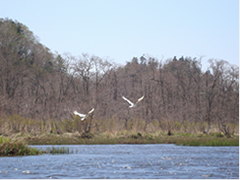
125,162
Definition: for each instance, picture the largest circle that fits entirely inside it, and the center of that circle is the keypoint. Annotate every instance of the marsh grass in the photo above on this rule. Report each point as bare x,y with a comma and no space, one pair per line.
17,149
57,150
10,148
20,148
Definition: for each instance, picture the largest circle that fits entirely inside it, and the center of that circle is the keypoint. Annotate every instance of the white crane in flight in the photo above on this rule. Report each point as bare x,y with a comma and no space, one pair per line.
131,103
83,116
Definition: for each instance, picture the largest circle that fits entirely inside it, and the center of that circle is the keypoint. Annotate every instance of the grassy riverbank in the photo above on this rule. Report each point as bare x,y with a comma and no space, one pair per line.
124,137
17,144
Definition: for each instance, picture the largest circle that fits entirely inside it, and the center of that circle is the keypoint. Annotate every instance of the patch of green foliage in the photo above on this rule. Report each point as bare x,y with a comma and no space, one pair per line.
17,149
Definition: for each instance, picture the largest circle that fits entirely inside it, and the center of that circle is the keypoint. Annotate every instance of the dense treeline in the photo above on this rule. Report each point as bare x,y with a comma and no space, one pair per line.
43,86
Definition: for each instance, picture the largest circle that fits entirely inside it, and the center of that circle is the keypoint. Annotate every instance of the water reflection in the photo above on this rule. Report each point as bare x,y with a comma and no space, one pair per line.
127,161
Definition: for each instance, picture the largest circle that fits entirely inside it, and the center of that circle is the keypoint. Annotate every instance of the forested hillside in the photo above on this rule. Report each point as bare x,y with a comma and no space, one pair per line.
37,85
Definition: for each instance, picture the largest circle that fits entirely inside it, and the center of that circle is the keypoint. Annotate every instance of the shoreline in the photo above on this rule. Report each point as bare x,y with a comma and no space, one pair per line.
212,139
18,144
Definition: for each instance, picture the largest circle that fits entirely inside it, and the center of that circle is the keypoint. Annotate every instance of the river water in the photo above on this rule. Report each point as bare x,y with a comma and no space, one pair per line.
154,161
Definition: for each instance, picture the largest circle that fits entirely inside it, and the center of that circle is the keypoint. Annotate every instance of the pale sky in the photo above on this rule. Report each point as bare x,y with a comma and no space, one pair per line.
122,29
